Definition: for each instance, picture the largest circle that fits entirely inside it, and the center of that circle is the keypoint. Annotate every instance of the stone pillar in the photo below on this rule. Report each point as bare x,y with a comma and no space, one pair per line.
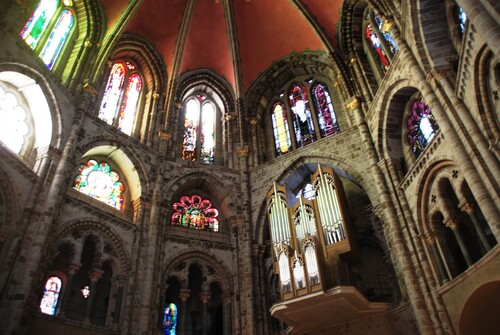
72,270
229,140
226,318
392,229
360,78
462,152
453,223
485,21
184,296
205,322
151,119
255,143
94,277
431,240
469,209
118,288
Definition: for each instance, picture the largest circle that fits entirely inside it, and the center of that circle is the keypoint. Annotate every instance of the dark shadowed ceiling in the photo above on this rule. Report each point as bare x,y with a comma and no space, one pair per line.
237,40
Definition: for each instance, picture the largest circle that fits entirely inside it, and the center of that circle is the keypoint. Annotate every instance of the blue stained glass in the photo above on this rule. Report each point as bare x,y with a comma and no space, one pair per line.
112,94
50,296
169,324
422,127
462,18
387,35
57,37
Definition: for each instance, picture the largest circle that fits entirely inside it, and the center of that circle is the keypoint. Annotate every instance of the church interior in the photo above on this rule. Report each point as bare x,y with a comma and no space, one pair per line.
241,167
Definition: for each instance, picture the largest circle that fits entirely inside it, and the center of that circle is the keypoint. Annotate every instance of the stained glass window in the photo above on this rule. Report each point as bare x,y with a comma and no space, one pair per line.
51,295
387,35
199,110
324,107
98,181
119,103
13,121
307,191
38,22
280,129
461,18
377,46
169,324
57,37
422,127
195,213
302,120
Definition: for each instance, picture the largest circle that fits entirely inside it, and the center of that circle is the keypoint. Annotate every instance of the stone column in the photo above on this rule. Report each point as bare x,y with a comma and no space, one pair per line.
469,209
184,296
431,240
485,21
463,153
151,119
393,230
229,140
205,298
255,143
453,223
226,318
72,270
94,277
360,78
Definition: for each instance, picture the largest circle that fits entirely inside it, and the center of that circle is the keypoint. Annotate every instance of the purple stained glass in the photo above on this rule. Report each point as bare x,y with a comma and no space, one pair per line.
324,107
112,94
302,120
195,213
422,127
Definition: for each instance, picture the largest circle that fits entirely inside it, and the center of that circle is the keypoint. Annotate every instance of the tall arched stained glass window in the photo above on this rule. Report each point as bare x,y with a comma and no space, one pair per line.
50,295
98,181
195,213
169,324
120,102
387,35
302,120
460,18
377,46
280,129
38,22
57,38
324,107
422,127
199,110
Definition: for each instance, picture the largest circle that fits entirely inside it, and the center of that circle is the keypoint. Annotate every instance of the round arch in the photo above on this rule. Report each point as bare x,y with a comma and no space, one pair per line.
480,312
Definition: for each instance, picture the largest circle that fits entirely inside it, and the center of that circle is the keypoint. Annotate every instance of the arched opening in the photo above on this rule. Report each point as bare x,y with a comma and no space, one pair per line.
480,312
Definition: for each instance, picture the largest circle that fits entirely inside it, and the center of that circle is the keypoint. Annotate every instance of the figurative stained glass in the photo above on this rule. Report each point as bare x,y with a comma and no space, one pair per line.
112,94
387,35
280,129
38,22
57,37
326,114
13,121
195,213
169,324
190,130
377,46
461,18
207,145
98,181
421,127
129,105
302,120
50,295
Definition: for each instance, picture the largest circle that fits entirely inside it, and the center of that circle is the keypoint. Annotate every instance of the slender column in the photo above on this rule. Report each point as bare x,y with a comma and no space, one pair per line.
393,230
72,270
226,318
255,143
453,225
360,78
205,298
151,119
437,257
94,277
184,296
229,140
469,209
485,22
120,283
488,206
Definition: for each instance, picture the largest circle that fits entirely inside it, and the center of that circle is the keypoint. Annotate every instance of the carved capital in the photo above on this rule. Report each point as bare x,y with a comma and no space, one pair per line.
243,151
184,295
155,95
205,297
228,117
451,222
253,121
73,268
353,103
466,207
165,136
387,24
95,275
89,89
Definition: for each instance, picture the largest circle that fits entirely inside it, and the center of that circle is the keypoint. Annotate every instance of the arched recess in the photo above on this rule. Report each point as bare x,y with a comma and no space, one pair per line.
43,117
216,89
142,53
210,187
480,312
487,82
129,167
273,84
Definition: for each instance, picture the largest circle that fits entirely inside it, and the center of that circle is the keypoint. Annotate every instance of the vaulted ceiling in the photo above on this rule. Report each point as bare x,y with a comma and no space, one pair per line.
237,39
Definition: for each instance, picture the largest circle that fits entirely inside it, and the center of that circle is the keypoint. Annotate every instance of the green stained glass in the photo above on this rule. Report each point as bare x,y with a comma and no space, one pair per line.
38,22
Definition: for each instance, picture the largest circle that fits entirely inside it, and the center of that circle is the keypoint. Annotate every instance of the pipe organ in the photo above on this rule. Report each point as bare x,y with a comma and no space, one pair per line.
311,240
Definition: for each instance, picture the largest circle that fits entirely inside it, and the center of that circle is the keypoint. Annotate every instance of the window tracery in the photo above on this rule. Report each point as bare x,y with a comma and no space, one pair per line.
422,127
121,98
14,120
48,28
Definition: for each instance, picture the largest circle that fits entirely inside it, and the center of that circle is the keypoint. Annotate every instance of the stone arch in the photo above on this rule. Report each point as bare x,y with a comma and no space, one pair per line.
37,86
126,159
201,257
80,228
